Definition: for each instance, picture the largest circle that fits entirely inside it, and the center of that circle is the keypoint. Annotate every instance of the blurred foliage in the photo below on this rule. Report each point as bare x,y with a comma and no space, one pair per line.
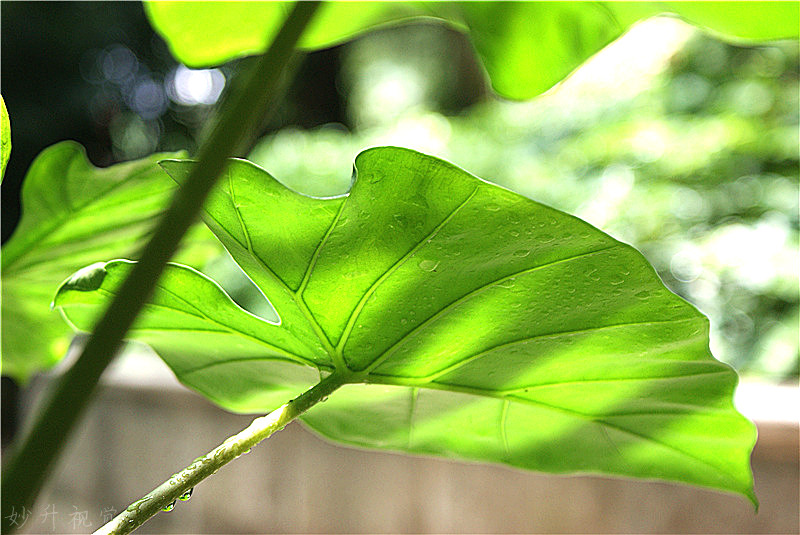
693,161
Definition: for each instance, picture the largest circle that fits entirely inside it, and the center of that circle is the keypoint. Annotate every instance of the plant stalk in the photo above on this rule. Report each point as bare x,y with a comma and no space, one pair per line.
184,481
34,454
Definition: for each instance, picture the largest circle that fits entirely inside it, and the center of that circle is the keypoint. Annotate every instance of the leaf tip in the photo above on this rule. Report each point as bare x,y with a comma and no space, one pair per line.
754,500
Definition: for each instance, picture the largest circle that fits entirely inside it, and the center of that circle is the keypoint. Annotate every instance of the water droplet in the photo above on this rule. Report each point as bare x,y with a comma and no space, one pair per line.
375,179
169,507
137,504
245,452
514,234
324,399
188,494
428,265
644,294
493,207
592,274
546,238
521,253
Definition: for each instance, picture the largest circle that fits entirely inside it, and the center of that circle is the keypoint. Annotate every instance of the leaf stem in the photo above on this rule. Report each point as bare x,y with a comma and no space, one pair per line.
33,455
182,482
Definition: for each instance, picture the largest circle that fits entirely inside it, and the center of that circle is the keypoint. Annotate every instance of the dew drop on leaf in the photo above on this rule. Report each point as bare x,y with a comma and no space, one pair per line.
169,507
508,283
521,253
428,265
188,494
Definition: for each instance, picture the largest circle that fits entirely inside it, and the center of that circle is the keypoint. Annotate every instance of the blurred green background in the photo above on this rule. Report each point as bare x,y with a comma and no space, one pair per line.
670,140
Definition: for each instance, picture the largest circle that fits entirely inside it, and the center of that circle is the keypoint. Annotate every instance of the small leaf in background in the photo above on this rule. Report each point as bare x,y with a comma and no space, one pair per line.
72,214
526,47
5,138
470,322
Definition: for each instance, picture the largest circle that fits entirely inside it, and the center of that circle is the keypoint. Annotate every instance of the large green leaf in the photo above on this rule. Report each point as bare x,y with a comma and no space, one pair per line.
5,138
72,214
471,322
526,47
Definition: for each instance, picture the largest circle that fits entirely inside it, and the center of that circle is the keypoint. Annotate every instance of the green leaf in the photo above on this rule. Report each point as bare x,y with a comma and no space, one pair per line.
209,342
526,47
201,34
72,214
732,21
5,138
472,323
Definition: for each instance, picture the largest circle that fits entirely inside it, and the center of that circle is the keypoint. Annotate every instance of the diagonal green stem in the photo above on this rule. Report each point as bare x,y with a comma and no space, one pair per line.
184,481
32,457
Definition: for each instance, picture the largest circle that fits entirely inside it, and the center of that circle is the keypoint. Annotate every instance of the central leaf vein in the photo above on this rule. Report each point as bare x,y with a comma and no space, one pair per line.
394,267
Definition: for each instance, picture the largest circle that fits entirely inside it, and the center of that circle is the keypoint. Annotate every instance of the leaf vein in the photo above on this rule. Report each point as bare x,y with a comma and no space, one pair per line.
640,436
447,308
238,212
235,360
582,416
313,262
503,429
394,267
224,328
466,360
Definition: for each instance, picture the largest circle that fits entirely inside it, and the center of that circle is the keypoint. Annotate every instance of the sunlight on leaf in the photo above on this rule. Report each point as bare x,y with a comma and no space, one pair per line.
483,326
